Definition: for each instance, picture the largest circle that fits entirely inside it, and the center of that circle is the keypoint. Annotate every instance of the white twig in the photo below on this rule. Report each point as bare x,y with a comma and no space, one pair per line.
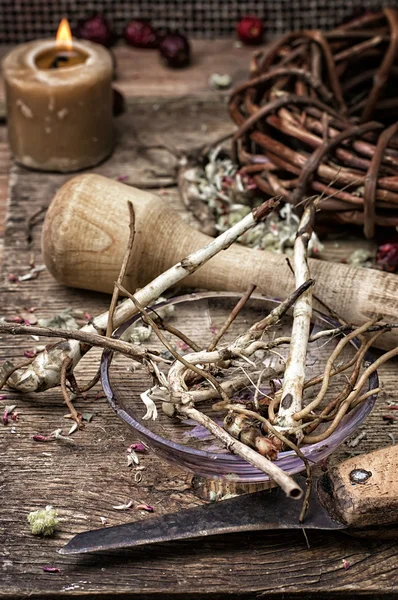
294,376
45,374
242,347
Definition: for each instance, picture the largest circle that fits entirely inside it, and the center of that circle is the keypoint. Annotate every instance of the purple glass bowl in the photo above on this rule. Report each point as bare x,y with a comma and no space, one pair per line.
123,389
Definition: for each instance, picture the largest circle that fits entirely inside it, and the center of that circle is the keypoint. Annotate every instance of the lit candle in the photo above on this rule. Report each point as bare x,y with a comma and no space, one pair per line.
59,103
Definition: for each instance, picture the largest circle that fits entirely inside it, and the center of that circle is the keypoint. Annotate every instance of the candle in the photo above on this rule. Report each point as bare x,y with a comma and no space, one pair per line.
59,103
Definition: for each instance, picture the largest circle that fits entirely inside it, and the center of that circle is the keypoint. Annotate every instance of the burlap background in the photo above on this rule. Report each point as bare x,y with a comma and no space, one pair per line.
22,20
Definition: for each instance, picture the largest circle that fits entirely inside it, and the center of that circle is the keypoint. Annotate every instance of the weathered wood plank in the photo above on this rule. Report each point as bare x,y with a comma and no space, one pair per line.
141,72
86,479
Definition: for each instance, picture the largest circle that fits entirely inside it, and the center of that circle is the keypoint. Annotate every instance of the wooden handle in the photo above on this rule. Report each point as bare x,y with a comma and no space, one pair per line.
363,491
85,235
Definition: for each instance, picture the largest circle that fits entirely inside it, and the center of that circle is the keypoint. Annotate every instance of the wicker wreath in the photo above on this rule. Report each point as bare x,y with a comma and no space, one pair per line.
319,116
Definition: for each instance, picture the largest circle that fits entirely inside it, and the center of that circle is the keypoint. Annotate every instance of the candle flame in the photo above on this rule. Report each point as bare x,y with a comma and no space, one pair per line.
64,36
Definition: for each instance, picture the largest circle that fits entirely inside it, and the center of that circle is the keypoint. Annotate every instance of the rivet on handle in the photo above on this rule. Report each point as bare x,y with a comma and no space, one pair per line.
360,475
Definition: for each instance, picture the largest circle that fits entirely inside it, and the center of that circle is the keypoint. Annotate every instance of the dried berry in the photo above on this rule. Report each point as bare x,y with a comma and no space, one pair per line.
96,29
250,30
387,257
175,49
140,34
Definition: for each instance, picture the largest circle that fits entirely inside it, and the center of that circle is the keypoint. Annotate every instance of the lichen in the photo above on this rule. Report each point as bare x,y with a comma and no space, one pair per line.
44,521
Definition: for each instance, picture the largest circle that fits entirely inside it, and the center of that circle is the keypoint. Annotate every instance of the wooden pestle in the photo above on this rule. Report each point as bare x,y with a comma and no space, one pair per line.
85,236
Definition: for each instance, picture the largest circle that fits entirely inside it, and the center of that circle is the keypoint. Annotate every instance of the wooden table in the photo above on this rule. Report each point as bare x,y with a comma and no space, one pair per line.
85,479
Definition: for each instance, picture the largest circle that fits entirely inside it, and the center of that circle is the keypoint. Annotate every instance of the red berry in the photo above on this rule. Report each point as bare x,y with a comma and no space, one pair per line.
175,49
140,34
387,256
96,29
250,30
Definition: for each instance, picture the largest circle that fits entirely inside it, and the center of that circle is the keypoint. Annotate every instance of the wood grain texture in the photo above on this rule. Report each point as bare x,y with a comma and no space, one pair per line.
86,479
4,171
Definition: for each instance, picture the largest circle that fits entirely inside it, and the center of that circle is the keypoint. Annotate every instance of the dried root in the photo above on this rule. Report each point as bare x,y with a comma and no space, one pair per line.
261,417
45,371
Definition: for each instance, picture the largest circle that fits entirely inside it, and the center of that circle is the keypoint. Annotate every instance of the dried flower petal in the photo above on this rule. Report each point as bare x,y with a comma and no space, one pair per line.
42,438
182,346
152,411
138,447
73,428
16,319
64,320
138,476
57,435
346,564
29,353
361,257
87,417
32,274
51,569
137,334
219,81
12,278
8,410
124,506
132,459
146,507
388,418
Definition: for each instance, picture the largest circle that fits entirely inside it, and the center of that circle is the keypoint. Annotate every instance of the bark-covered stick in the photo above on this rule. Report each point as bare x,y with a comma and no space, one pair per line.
44,372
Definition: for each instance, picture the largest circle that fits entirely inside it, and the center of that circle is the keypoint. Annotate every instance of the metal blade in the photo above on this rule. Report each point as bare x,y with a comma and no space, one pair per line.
251,512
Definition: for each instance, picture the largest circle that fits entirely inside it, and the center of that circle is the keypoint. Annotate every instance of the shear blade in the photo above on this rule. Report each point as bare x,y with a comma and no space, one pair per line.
259,511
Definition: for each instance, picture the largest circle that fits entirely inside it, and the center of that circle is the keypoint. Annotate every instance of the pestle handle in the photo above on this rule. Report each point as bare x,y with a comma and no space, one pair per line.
85,236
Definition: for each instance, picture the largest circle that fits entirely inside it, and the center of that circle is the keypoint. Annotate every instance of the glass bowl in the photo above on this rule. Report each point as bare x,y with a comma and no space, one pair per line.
189,444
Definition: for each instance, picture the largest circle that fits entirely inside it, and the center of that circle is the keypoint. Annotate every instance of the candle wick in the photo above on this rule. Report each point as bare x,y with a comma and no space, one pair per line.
57,60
